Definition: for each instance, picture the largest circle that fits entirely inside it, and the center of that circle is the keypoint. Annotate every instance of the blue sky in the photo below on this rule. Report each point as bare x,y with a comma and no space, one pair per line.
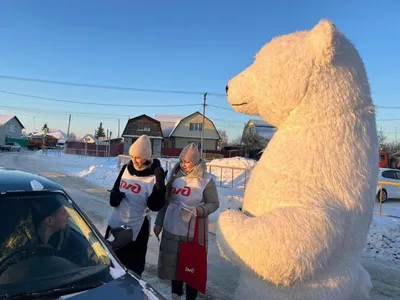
170,45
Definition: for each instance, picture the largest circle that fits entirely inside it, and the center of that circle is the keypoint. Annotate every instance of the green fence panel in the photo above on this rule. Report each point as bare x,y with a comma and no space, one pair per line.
21,142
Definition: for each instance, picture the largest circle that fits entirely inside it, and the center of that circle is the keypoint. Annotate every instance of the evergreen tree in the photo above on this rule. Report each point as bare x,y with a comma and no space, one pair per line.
45,126
100,131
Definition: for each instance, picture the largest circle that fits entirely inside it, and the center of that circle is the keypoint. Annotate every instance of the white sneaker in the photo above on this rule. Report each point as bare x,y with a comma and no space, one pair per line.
176,297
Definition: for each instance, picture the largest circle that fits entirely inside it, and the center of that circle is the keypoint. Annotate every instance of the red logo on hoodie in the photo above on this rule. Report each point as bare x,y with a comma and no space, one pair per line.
184,192
135,188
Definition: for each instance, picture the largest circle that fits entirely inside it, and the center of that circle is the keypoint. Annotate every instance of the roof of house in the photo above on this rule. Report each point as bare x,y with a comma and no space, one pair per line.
265,132
5,118
260,123
59,134
138,117
168,123
180,121
89,135
263,129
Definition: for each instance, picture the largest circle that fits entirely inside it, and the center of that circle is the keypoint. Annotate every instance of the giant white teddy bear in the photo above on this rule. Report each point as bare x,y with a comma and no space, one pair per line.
308,205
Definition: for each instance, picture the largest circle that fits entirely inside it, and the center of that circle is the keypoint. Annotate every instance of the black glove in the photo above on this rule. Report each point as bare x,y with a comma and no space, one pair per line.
160,176
121,236
116,198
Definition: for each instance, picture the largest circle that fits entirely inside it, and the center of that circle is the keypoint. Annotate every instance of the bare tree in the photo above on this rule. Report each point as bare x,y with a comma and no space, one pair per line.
224,138
392,148
252,141
235,142
72,136
382,139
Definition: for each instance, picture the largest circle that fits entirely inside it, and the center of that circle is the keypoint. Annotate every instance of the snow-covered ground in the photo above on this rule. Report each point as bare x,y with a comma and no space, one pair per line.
383,240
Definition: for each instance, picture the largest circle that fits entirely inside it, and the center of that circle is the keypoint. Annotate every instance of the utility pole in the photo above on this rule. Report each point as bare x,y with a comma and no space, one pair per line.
118,128
69,124
107,144
202,127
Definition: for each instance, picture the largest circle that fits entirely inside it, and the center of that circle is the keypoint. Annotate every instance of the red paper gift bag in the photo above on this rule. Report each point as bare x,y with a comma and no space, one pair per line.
192,261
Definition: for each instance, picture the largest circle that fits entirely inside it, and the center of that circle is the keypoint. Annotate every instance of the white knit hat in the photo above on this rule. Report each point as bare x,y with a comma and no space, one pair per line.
141,148
190,153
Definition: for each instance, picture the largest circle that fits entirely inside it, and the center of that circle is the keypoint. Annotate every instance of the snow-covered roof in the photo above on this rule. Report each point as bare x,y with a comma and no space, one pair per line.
5,118
265,132
168,123
58,134
260,123
90,136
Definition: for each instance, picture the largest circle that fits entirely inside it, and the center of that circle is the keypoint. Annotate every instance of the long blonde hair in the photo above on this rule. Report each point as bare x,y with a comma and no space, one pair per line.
175,171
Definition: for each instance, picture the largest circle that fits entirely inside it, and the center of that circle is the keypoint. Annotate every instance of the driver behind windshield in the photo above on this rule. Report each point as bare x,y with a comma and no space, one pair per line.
46,219
49,217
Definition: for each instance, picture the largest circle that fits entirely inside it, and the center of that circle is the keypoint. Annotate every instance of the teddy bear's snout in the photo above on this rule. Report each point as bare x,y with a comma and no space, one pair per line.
226,90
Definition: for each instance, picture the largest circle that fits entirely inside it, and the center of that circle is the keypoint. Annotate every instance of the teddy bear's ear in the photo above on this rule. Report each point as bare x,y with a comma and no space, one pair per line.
323,38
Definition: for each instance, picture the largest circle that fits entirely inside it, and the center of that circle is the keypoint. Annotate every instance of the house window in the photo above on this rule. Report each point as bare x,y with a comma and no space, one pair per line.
252,131
11,128
143,127
196,127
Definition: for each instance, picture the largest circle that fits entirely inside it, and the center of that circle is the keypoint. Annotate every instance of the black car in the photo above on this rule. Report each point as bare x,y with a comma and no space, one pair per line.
49,249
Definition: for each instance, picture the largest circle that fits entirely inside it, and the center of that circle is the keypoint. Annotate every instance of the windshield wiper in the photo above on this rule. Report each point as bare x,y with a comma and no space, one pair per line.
51,293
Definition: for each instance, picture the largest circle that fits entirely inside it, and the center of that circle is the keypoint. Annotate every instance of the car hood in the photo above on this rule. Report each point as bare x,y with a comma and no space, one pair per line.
125,287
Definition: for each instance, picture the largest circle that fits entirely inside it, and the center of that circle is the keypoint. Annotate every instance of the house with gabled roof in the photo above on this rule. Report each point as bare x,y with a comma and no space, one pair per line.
89,138
10,127
259,131
180,131
143,124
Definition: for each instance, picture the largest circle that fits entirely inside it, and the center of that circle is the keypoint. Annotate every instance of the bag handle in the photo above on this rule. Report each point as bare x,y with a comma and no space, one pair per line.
196,231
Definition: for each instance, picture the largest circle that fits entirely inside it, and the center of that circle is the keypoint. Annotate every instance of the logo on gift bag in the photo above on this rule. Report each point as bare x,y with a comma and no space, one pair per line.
134,188
189,270
184,192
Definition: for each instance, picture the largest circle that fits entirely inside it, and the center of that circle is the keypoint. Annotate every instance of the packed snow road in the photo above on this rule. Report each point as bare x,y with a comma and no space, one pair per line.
222,276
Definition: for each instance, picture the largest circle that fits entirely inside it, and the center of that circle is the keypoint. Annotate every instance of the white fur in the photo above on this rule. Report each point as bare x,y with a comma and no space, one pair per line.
309,202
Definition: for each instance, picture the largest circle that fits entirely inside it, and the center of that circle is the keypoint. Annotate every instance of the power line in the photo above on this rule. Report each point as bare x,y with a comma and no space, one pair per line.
44,113
32,112
387,107
387,120
35,111
229,123
93,103
109,87
216,106
377,106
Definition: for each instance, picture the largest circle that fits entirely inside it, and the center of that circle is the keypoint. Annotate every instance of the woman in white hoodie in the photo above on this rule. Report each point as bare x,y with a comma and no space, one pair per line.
191,191
139,188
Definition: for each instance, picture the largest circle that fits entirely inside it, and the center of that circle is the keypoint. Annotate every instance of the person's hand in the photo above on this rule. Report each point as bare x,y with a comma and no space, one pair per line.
160,176
191,209
157,230
116,198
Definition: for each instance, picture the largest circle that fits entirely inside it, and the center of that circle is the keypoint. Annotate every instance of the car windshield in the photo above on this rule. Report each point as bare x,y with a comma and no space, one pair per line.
45,244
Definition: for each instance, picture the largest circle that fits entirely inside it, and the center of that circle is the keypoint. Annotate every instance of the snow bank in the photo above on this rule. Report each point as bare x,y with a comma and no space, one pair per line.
239,162
233,178
383,239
